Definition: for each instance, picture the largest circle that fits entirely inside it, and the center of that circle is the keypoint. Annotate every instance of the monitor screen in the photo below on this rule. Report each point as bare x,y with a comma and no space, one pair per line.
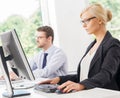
12,46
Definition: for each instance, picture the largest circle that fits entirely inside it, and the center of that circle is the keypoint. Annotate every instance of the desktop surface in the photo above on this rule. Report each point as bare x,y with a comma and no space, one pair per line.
92,93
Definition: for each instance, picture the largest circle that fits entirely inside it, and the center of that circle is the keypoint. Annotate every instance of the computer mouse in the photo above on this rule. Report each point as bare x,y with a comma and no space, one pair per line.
59,91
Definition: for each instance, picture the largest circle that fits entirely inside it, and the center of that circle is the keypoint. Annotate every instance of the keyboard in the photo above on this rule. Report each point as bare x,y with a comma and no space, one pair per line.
23,84
2,82
13,81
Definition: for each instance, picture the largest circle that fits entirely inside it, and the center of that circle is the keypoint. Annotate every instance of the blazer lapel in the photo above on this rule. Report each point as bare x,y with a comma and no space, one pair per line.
98,53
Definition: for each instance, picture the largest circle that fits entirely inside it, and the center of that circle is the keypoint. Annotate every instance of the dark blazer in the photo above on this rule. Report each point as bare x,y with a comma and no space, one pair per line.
104,67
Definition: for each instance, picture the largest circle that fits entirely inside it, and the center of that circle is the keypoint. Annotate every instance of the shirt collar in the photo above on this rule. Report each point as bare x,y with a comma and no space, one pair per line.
49,49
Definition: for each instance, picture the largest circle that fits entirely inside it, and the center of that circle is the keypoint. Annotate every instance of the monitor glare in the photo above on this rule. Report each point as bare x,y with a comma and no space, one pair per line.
13,48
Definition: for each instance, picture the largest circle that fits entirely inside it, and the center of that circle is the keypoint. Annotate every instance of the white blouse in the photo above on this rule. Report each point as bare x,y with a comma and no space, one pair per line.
85,64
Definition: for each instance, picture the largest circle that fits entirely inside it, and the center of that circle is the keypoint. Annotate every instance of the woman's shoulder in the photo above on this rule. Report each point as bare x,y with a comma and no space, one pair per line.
114,41
111,42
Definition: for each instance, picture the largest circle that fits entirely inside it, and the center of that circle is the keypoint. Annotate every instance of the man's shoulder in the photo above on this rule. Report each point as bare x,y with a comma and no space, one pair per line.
57,49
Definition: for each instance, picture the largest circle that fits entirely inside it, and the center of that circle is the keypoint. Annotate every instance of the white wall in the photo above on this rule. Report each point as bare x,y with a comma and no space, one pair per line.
64,17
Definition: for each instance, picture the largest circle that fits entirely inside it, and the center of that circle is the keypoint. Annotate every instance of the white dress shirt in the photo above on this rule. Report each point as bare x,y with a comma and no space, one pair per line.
56,63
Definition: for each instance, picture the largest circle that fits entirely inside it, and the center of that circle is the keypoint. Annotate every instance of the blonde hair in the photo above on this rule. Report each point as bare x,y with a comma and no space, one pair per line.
99,12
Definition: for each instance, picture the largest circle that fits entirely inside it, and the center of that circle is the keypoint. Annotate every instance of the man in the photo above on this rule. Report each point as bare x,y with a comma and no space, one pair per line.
50,61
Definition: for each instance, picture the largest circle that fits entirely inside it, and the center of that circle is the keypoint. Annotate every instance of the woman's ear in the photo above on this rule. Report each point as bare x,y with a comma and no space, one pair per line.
100,21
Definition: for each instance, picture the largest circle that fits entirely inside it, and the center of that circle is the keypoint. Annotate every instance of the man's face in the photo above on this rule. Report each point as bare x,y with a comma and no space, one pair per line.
41,39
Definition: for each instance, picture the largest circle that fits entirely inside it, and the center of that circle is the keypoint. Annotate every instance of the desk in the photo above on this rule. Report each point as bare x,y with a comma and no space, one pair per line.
92,93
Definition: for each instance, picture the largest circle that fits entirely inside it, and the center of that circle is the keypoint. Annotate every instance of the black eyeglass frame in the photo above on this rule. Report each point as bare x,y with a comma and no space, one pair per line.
87,20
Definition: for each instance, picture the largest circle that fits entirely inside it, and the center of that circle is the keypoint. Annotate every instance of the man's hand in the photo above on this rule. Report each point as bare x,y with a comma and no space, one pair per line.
1,77
13,76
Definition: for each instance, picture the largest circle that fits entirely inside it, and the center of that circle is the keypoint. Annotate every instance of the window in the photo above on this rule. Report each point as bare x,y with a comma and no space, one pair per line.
114,6
25,17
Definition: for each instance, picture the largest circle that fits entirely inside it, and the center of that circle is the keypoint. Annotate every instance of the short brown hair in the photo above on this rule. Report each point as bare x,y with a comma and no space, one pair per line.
48,30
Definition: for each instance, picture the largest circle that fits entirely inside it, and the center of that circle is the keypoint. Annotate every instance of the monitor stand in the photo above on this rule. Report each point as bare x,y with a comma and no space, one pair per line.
16,93
10,91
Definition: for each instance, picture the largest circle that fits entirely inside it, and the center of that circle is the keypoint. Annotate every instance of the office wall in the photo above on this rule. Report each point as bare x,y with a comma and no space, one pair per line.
64,17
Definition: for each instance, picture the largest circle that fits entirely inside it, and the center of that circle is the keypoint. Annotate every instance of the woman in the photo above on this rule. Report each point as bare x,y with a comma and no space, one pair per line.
102,55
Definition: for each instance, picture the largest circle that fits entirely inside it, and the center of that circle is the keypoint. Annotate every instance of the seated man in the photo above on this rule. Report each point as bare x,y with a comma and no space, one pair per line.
50,61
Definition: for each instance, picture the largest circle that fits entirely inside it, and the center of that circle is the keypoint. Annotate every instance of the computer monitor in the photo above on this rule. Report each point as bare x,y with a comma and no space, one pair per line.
4,68
9,92
12,47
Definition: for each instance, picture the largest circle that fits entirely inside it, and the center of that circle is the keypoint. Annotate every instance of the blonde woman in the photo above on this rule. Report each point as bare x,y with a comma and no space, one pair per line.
99,66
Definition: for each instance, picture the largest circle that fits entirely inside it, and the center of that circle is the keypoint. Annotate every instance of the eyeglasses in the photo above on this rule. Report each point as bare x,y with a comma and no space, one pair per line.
86,21
40,37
